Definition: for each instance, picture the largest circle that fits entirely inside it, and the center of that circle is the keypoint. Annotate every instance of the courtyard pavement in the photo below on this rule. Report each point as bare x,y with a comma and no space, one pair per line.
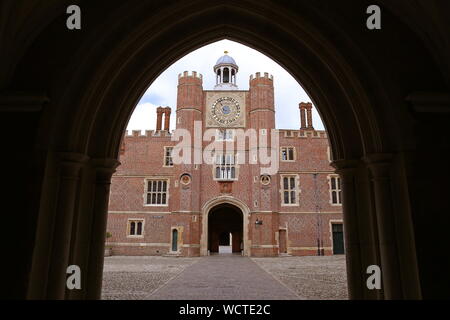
224,277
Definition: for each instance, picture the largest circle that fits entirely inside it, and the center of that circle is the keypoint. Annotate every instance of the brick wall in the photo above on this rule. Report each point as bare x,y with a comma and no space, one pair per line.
143,157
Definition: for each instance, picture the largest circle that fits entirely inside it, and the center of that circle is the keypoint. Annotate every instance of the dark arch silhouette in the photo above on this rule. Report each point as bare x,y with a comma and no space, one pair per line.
383,98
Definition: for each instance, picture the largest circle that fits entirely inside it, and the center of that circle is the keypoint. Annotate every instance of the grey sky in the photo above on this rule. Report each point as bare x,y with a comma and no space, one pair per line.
163,91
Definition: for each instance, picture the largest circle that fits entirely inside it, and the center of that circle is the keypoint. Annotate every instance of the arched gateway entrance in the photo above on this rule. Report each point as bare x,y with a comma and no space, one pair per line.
224,215
225,228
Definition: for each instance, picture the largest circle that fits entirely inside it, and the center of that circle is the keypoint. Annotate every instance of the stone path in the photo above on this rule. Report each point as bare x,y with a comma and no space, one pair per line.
224,277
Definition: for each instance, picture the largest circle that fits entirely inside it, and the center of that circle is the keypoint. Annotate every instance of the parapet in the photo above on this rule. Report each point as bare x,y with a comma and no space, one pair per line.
148,133
192,74
258,76
318,134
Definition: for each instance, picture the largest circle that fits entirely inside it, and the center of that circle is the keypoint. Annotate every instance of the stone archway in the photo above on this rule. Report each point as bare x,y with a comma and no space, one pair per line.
242,233
77,90
225,228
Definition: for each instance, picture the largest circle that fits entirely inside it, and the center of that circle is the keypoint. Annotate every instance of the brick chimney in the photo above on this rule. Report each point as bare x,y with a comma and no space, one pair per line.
159,114
306,116
167,113
309,116
302,107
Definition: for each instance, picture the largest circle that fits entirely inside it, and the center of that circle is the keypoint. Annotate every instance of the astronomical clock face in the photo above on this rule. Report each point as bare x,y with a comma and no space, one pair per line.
225,109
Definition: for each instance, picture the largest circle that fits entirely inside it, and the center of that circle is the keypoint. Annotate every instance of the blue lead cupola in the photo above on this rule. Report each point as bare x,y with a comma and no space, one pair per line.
226,70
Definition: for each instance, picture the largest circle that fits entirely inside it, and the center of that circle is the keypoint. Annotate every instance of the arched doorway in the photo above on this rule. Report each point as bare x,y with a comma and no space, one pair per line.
219,210
174,240
225,228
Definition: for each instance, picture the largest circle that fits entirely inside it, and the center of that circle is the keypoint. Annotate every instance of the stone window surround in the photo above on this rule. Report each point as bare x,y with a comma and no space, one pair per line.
236,166
146,180
297,189
338,190
165,157
287,148
136,220
229,135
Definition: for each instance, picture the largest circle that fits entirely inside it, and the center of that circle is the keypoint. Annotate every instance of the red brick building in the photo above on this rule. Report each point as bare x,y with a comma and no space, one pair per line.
161,206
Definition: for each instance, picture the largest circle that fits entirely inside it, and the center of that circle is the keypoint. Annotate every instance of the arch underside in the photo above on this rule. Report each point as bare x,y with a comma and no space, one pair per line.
87,87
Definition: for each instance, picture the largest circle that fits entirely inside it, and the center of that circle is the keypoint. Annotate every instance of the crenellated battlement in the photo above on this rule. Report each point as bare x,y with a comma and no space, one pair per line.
285,133
148,133
257,75
304,134
193,74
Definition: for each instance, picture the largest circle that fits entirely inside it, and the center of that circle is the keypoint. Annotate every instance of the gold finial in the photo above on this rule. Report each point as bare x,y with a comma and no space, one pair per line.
226,52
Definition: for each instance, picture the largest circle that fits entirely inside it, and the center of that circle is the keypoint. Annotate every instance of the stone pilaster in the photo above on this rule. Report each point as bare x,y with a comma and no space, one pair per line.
70,165
347,171
104,169
380,166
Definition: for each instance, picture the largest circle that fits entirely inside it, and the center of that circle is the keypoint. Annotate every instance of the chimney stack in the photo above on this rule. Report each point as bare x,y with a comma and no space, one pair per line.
159,114
167,112
306,116
302,115
160,111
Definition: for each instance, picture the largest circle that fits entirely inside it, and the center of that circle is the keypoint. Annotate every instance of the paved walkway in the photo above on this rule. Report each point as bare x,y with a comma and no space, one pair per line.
224,277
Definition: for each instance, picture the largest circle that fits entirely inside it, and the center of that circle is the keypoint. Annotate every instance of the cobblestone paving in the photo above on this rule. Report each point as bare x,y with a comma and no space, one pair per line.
136,278
315,278
224,277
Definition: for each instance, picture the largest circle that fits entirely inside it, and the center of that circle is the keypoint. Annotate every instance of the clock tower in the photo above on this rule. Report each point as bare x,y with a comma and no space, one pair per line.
226,104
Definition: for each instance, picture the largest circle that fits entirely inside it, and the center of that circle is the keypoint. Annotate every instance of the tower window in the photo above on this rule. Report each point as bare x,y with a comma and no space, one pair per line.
225,168
168,161
226,75
287,154
225,135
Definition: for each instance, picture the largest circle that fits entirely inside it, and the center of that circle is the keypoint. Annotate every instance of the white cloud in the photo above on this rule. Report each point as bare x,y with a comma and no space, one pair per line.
143,117
163,91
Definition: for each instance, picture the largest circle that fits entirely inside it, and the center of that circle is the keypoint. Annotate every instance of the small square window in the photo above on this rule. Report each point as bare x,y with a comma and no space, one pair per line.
287,154
168,160
135,228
